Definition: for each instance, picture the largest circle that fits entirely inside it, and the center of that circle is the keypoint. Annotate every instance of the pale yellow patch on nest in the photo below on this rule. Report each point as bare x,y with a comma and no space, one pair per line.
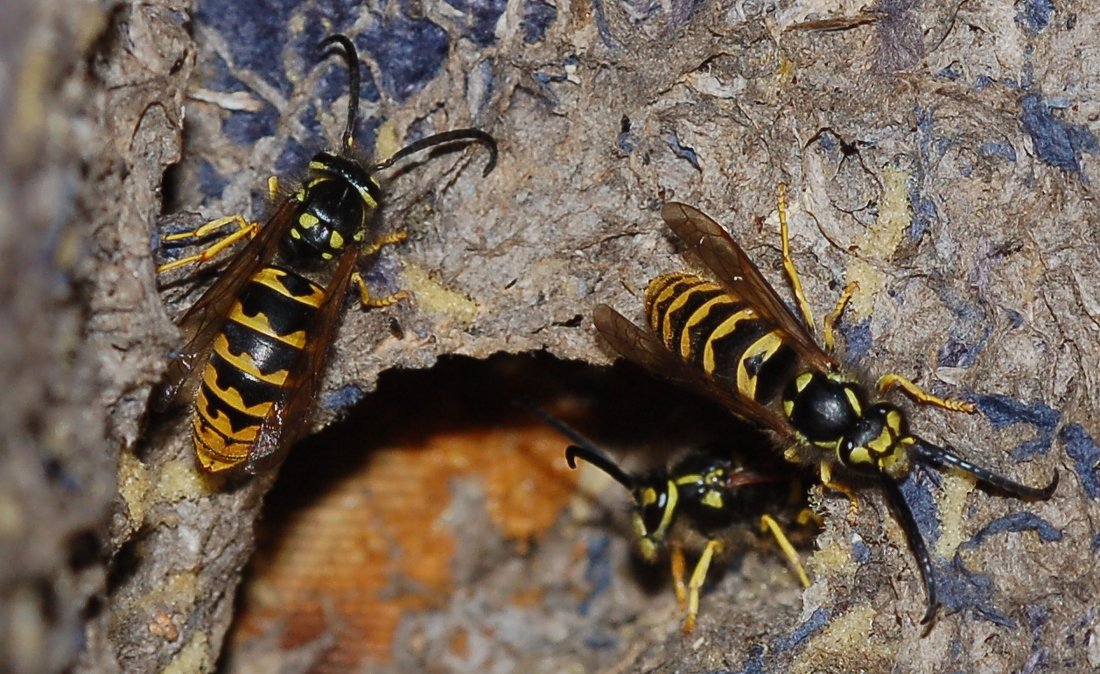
880,241
433,296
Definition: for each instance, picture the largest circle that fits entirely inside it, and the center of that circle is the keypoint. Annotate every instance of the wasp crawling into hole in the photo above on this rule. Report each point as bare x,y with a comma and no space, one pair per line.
734,339
695,505
257,340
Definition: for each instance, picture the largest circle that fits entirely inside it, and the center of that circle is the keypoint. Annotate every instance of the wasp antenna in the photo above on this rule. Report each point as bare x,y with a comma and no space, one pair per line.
582,446
939,456
473,135
558,425
912,533
352,58
601,461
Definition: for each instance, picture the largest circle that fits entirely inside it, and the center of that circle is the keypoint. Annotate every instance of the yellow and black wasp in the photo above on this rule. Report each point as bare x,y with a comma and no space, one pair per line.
734,339
256,342
693,505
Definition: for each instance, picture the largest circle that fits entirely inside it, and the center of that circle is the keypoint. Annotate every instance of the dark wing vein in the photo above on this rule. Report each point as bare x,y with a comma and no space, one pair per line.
645,349
205,318
737,273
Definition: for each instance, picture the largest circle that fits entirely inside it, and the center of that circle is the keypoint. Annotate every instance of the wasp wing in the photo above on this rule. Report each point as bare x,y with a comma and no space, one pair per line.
205,318
740,277
743,478
291,415
646,350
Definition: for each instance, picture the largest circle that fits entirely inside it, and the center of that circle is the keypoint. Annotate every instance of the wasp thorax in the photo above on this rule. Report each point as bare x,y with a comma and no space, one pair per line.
331,216
823,408
878,443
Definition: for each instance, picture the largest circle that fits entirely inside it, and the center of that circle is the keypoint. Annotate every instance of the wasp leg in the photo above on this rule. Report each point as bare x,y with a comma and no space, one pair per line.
370,249
918,394
244,229
827,481
768,523
383,241
374,302
696,583
788,262
832,318
679,567
806,517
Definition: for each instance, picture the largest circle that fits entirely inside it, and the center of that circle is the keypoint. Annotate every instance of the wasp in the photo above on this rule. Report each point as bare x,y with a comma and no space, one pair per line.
734,339
694,504
257,340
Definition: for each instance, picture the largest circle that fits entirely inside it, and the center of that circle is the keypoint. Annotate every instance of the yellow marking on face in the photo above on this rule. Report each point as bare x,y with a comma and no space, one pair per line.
260,324
860,457
335,240
894,421
649,496
896,463
697,317
307,220
726,327
713,499
765,348
273,278
882,444
246,364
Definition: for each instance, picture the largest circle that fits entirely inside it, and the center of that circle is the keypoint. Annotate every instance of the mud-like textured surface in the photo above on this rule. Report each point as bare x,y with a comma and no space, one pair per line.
940,153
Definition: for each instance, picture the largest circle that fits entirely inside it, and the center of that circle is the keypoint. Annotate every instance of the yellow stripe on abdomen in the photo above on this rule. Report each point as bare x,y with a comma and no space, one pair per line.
246,364
760,350
698,316
724,329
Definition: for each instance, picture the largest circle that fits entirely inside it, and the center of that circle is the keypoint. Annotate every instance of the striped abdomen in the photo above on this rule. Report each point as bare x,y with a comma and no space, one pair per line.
264,334
725,336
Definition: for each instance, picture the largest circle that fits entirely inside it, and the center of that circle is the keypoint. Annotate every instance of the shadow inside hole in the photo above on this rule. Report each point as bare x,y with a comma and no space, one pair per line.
644,422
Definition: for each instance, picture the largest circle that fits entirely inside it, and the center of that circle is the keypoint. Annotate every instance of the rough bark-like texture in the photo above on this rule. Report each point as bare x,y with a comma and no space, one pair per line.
940,153
90,117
